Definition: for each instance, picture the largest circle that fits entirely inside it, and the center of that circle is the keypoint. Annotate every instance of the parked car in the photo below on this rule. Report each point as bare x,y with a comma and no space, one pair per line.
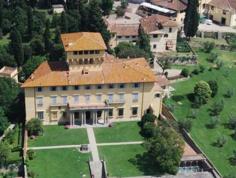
208,22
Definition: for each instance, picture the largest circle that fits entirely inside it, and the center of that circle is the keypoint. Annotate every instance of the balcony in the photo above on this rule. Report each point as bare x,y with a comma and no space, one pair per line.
58,104
119,101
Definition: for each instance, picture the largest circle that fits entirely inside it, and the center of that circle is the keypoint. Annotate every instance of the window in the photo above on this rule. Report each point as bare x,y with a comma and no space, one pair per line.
110,98
126,36
170,30
224,12
80,52
53,100
110,86
39,101
76,99
92,52
133,36
166,35
91,61
54,115
122,85
99,114
75,52
134,111
110,112
212,7
96,51
136,85
87,87
135,97
64,88
118,37
64,99
99,87
86,52
53,88
155,35
121,97
40,115
39,89
121,112
157,95
154,46
87,98
76,87
99,97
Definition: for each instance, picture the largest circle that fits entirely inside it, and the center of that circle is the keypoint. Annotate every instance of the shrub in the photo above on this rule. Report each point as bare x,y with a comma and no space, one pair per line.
212,57
185,124
214,87
185,72
221,141
34,127
232,122
234,134
31,154
201,68
229,93
202,92
217,108
120,12
195,71
208,46
219,64
10,136
213,122
233,158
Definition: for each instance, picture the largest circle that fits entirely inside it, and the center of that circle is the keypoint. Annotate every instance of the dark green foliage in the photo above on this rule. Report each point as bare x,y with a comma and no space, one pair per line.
202,92
120,12
64,23
27,52
185,124
214,87
46,37
3,121
165,150
126,50
219,64
229,93
34,127
4,153
212,57
124,4
195,71
37,45
191,20
57,53
232,122
106,6
6,59
185,72
148,130
31,154
208,46
31,65
201,68
149,117
213,122
234,134
230,176
57,37
29,22
16,47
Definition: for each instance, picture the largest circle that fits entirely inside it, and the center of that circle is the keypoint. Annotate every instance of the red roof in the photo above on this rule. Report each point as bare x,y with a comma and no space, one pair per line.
176,5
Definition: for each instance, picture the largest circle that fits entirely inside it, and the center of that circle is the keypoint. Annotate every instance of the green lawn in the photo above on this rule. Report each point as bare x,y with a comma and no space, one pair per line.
119,159
205,137
57,135
120,132
59,163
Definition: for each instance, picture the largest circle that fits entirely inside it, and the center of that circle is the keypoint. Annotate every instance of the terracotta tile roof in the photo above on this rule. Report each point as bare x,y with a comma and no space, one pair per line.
124,29
83,41
113,71
176,5
154,22
224,4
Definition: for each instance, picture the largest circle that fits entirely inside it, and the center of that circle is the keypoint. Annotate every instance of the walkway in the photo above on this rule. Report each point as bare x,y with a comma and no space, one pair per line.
120,143
53,147
92,144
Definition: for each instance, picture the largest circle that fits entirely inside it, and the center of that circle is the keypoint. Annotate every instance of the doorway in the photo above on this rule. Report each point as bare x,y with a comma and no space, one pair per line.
223,21
88,118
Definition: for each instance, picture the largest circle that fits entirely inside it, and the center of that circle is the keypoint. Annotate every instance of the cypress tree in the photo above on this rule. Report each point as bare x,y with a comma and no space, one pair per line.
64,23
46,36
144,42
96,22
16,47
106,6
57,35
191,20
30,22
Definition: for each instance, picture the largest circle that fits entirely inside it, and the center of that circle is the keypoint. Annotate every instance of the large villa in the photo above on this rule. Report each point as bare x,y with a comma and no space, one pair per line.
91,86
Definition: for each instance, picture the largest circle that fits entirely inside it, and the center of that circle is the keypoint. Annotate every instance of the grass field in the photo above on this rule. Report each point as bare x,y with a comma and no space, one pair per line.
205,137
120,132
57,135
60,163
119,159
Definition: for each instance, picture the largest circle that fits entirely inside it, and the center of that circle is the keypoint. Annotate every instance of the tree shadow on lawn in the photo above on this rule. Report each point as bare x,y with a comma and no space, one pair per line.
144,164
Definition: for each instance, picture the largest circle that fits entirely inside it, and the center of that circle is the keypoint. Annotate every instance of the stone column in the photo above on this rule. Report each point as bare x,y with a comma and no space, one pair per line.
82,117
73,118
70,119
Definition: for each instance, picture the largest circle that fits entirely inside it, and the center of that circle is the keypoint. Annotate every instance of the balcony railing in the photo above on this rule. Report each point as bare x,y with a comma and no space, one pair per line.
119,101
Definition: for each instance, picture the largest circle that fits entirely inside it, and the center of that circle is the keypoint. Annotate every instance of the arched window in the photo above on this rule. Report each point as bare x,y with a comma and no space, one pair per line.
91,61
80,61
85,61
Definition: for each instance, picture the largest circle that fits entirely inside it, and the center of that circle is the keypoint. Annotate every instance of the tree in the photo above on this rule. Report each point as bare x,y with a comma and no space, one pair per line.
185,72
106,6
221,141
232,122
57,37
191,20
217,108
96,22
46,37
6,59
29,22
64,23
31,65
202,92
16,46
144,42
57,53
37,45
4,153
124,4
185,124
34,127
165,150
214,87
3,121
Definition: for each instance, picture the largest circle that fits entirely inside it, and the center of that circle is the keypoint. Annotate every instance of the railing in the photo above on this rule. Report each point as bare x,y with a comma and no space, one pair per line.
121,101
